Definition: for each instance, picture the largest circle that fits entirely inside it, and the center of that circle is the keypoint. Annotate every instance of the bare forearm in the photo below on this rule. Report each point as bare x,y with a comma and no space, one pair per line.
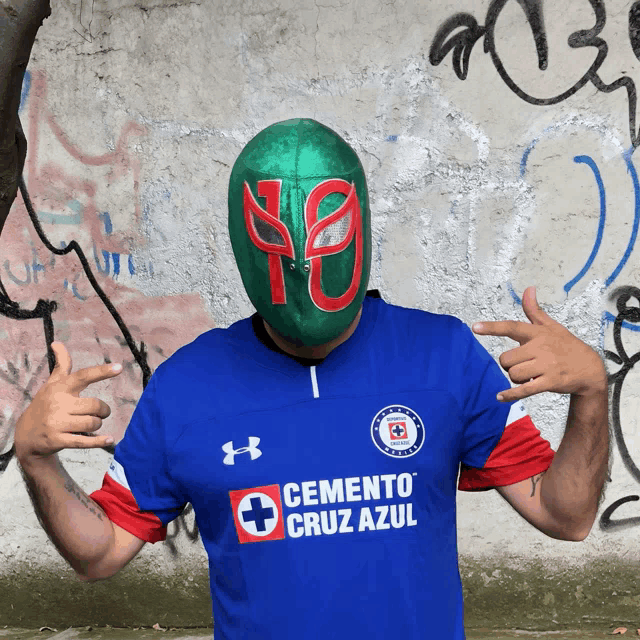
76,525
571,488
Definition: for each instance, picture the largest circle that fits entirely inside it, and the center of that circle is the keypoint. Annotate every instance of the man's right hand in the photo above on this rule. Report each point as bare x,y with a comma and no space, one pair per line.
57,418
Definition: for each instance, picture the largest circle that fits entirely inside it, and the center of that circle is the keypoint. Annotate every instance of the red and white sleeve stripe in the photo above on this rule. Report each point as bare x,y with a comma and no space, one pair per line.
520,453
118,503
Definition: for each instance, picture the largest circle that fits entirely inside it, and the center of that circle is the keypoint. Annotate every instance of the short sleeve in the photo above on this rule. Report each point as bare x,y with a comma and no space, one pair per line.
138,492
520,453
500,445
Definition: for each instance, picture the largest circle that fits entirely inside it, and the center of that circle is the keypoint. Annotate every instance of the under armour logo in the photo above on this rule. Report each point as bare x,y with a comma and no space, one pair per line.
252,449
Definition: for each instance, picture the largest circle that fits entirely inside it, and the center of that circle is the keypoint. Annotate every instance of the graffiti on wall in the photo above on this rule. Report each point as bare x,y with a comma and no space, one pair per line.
457,36
628,245
625,323
52,183
61,191
65,259
628,313
459,33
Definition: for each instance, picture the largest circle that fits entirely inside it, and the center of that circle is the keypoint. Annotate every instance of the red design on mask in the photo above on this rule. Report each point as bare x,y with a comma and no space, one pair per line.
270,190
315,227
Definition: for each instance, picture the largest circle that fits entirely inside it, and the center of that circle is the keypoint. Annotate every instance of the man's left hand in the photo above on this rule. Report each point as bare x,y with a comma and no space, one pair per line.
549,358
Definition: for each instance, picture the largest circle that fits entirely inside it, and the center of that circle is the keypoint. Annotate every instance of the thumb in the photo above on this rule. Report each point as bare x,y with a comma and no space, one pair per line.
531,308
63,363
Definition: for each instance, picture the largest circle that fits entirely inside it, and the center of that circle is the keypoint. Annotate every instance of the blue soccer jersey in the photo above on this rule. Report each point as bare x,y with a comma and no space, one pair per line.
325,495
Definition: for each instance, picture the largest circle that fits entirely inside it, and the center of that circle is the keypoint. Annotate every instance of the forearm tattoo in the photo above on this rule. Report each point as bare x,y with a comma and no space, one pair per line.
74,490
534,482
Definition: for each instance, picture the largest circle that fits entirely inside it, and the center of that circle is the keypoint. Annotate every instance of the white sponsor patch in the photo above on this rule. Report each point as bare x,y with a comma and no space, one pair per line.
260,514
516,412
116,471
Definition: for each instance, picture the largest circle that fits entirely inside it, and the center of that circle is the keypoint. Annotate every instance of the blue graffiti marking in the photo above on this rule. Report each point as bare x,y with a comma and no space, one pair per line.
13,277
36,266
24,93
523,167
609,318
392,138
132,269
76,294
76,206
627,155
603,208
61,218
517,299
106,219
525,156
74,290
116,263
636,218
105,255
57,218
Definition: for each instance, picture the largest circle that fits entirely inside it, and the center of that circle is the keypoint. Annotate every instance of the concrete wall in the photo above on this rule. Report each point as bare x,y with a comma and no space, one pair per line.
521,173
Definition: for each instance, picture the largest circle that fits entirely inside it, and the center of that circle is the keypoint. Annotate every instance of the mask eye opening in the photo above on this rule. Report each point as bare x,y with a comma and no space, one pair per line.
266,232
335,233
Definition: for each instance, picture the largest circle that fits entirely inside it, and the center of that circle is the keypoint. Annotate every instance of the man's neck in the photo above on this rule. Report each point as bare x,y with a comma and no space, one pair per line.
316,352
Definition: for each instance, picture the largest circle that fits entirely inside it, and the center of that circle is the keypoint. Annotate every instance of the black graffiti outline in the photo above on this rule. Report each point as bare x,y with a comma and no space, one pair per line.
461,44
607,524
5,458
180,524
45,309
629,314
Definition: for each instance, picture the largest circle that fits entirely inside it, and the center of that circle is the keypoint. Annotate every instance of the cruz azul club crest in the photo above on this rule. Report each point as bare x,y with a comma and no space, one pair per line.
397,431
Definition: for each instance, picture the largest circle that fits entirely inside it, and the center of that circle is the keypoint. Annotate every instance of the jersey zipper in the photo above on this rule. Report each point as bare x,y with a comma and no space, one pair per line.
314,382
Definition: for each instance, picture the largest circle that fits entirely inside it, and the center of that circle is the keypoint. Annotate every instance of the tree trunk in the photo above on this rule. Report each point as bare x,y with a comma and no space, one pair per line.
19,24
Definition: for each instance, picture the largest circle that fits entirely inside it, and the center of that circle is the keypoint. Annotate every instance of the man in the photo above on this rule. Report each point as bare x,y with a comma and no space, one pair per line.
320,441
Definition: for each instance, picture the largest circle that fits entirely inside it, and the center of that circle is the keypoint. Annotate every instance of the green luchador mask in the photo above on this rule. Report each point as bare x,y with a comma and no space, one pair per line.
300,229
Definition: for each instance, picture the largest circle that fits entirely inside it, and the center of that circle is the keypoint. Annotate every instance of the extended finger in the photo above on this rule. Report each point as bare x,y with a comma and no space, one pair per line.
525,371
537,385
520,331
82,378
63,364
532,309
89,407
